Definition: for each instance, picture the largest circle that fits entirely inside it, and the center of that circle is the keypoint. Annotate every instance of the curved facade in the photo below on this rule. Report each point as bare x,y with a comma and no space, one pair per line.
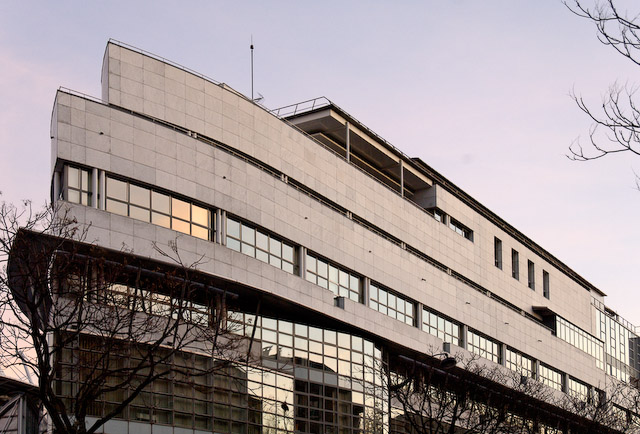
368,252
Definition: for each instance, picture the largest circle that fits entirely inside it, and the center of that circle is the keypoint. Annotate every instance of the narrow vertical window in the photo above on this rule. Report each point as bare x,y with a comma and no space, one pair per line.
515,264
532,275
545,283
497,252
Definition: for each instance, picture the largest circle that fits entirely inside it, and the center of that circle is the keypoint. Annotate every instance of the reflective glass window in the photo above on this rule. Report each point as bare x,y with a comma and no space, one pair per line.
260,244
77,188
129,199
338,280
391,304
440,326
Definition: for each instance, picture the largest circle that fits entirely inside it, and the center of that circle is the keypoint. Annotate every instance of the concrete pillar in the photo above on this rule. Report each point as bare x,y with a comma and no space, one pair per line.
401,178
94,188
302,262
102,195
348,140
221,227
57,186
418,315
366,285
463,338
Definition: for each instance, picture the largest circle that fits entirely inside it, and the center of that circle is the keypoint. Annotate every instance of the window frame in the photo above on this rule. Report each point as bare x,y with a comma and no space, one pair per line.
152,212
497,252
515,264
531,275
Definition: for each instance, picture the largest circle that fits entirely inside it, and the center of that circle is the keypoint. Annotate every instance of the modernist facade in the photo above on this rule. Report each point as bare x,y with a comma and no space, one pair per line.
359,255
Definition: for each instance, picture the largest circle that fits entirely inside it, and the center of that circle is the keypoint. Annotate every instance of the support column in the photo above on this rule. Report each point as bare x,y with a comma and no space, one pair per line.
57,185
102,190
348,140
503,354
418,315
401,178
463,338
366,286
221,227
94,188
302,262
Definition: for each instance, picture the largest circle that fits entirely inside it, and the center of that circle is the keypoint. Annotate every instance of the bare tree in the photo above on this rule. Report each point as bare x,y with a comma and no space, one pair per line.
616,123
475,397
98,328
470,398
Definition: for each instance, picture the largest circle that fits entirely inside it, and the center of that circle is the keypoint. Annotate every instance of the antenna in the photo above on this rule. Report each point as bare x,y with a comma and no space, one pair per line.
251,67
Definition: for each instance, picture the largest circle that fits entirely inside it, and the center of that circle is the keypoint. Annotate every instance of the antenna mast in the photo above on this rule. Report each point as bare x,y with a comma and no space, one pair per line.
251,67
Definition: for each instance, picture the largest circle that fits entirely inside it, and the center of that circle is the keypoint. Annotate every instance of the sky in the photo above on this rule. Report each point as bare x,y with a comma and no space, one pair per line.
480,90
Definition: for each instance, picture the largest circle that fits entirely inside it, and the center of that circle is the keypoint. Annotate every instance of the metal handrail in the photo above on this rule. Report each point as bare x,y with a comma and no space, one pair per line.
302,107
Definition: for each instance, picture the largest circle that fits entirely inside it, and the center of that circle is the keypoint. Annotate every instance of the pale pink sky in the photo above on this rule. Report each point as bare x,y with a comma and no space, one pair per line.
477,89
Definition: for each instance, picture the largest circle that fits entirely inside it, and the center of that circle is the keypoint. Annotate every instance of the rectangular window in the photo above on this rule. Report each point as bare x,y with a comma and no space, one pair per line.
578,389
438,215
460,229
545,284
580,339
440,326
515,264
77,185
518,362
483,346
497,252
261,245
551,377
336,279
531,272
391,304
142,203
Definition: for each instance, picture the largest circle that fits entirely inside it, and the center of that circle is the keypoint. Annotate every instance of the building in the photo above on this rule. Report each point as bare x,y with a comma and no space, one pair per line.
351,255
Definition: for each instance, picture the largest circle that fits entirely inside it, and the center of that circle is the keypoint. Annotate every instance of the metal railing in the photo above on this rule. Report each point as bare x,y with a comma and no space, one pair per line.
301,107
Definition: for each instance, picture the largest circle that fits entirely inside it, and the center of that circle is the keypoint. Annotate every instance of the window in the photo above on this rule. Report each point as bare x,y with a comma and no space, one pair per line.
161,209
78,185
260,245
391,304
578,389
438,215
518,362
338,280
483,346
437,325
497,252
531,275
580,339
515,264
550,377
545,284
460,229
